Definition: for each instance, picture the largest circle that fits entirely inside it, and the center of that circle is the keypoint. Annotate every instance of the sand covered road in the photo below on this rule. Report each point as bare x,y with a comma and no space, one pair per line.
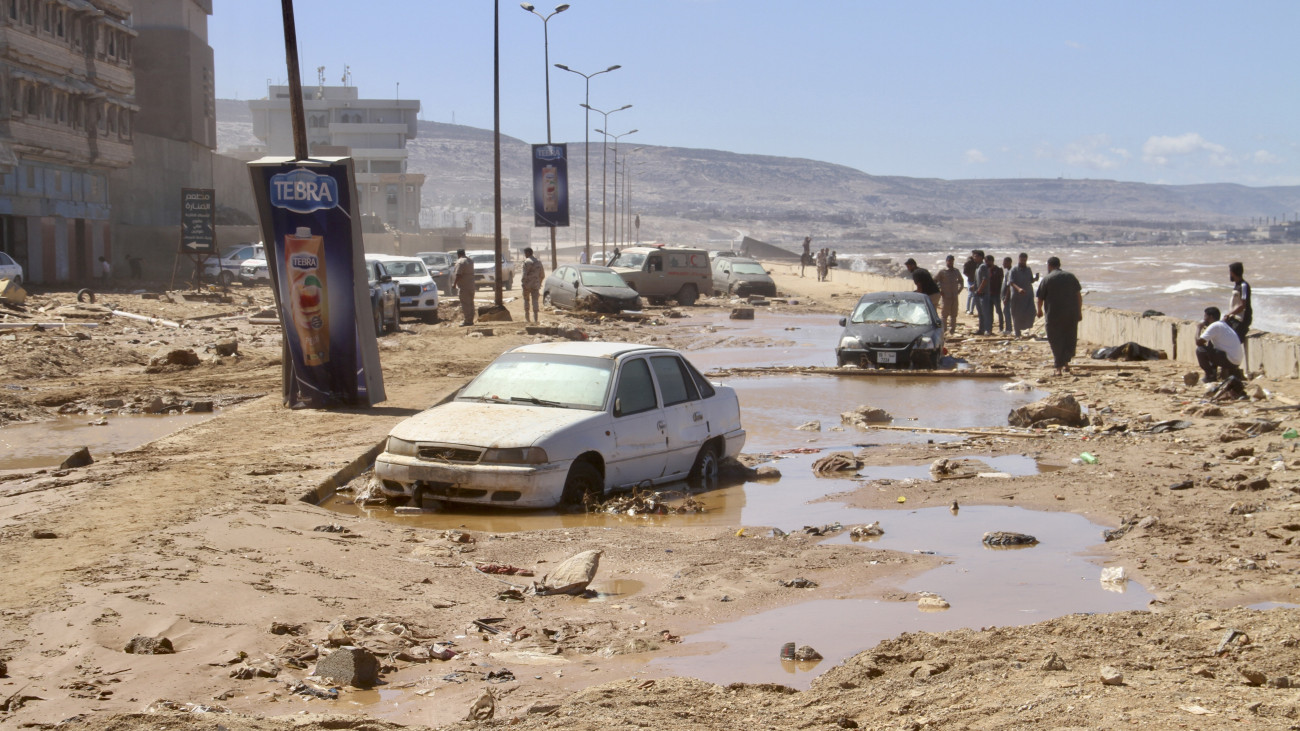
199,537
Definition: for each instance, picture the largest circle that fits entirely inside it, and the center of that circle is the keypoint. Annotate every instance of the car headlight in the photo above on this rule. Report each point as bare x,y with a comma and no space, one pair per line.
925,342
515,455
401,447
848,342
426,287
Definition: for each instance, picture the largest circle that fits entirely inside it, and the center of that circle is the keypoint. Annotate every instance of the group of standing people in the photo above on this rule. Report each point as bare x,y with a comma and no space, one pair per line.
462,278
824,260
1007,293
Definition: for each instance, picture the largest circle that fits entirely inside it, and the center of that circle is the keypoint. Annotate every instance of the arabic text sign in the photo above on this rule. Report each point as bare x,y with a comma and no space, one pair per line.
198,220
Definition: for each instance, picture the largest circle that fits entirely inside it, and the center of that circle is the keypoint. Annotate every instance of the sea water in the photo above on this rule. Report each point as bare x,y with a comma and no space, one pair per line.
1180,280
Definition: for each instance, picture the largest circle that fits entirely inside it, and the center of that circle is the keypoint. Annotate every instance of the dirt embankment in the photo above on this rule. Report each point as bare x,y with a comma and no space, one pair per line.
200,537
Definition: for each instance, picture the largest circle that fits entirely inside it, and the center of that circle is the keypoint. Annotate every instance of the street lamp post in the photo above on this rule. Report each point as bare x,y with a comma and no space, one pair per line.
546,46
603,165
586,143
627,191
625,134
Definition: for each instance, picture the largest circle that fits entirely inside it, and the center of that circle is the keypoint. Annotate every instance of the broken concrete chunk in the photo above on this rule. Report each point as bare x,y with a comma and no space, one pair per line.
1007,538
1059,409
865,415
141,645
1111,676
338,636
742,313
806,654
353,666
572,575
226,347
79,458
179,356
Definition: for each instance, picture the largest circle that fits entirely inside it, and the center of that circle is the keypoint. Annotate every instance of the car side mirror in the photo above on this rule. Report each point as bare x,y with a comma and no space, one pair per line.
843,322
386,278
618,407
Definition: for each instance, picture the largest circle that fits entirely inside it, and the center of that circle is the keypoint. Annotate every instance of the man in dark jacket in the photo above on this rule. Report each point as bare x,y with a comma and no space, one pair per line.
1060,300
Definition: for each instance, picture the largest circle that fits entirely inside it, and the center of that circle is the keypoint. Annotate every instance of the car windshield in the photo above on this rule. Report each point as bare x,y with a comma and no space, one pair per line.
748,267
631,260
905,311
483,258
602,279
229,251
434,260
565,381
411,268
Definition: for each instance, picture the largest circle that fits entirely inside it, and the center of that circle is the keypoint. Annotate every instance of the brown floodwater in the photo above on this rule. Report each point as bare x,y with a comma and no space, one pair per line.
985,588
47,443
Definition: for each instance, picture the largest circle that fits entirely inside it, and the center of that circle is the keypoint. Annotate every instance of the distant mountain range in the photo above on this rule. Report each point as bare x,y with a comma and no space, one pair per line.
692,196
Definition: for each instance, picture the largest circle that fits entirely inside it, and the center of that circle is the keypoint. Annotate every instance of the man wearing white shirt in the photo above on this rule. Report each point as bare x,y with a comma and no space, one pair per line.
1218,349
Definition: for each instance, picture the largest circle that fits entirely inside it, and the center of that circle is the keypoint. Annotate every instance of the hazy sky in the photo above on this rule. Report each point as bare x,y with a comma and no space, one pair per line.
1161,92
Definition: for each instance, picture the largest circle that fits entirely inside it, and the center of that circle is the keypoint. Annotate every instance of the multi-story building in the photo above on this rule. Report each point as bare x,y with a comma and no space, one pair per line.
67,107
372,131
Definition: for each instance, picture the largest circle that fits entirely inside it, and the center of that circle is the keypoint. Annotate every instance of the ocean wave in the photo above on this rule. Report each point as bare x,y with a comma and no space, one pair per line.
1190,285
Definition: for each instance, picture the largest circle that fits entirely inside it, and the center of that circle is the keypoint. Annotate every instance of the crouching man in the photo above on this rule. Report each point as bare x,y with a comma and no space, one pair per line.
1218,349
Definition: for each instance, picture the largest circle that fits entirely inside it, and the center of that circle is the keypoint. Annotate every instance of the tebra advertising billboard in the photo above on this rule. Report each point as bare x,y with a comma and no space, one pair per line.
315,258
550,185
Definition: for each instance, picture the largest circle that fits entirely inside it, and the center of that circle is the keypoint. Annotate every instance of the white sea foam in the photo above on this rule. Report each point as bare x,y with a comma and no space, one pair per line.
1190,285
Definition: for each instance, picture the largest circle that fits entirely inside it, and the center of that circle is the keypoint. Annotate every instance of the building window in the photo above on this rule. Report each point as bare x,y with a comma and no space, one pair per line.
13,9
31,177
126,123
45,16
58,22
61,109
31,106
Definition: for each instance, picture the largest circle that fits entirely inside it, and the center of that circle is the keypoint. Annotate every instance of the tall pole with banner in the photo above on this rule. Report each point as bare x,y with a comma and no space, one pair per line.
312,230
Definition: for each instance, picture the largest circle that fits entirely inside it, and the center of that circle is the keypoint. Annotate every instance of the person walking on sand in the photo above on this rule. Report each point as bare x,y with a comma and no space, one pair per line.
995,294
983,295
950,286
1005,293
968,270
1020,286
822,269
531,283
806,258
462,275
1060,302
1219,350
924,282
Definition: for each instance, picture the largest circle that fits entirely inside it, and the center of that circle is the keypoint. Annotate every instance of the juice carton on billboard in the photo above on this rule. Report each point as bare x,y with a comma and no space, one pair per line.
319,278
550,185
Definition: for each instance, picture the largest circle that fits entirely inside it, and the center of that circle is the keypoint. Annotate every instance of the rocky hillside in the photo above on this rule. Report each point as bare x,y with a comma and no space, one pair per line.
692,193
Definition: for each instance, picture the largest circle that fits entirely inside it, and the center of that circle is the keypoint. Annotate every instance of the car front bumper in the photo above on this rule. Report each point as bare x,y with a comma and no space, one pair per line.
510,486
884,356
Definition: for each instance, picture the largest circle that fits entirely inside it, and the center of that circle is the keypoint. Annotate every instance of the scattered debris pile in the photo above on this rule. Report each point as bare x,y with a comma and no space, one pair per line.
1057,409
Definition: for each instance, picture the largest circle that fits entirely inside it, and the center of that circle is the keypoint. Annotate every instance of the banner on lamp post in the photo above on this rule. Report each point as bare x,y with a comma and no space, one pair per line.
550,185
314,256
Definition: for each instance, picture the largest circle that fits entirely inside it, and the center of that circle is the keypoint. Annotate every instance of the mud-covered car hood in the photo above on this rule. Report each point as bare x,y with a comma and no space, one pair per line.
738,277
487,424
614,293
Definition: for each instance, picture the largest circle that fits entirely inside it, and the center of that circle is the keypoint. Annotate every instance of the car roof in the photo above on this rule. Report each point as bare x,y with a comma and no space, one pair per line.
914,296
588,349
590,268
391,257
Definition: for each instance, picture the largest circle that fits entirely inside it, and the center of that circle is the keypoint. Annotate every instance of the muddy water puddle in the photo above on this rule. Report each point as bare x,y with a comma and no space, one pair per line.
48,443
767,340
985,587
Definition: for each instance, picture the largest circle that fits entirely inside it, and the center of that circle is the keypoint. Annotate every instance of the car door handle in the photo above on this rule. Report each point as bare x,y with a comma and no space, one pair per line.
662,426
697,416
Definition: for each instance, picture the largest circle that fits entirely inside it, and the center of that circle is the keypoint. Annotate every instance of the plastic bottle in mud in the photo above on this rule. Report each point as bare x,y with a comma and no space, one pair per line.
304,256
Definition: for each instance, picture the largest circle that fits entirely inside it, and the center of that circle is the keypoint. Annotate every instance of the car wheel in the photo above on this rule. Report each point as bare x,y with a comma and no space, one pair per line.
934,360
546,298
707,464
686,297
584,481
225,278
18,280
840,360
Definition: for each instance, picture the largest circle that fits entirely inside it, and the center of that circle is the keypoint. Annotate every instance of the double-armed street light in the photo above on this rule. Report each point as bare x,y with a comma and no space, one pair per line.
586,144
546,46
603,165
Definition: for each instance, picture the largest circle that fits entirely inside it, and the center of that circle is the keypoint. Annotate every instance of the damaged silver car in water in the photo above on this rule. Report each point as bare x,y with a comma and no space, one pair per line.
552,423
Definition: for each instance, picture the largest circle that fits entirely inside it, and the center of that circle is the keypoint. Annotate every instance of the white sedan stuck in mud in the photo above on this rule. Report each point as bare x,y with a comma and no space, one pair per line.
554,423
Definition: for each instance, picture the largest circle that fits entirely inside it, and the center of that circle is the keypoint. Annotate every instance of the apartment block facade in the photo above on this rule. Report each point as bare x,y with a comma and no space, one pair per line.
67,116
372,131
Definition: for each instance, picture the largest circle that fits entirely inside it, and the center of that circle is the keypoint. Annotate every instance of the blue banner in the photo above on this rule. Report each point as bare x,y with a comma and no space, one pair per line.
315,259
550,185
